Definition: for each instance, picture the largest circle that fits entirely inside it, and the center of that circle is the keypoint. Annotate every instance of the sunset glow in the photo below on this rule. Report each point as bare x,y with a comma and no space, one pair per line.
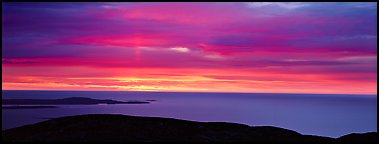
191,47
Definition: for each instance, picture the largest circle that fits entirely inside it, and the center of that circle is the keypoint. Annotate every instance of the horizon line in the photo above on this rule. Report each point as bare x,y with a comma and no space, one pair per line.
195,92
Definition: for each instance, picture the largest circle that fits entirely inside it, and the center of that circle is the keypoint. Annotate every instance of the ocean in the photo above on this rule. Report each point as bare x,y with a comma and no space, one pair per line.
328,115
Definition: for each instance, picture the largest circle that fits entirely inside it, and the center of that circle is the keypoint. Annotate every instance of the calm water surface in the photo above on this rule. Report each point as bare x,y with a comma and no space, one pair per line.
312,114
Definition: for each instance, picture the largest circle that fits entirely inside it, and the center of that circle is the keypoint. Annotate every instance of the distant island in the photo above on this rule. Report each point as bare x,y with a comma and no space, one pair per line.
67,101
123,128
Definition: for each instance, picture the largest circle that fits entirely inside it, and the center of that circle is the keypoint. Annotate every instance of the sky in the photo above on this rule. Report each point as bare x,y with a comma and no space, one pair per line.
264,47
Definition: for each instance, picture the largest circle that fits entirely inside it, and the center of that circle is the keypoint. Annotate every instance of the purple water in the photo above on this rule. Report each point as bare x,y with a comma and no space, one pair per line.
311,114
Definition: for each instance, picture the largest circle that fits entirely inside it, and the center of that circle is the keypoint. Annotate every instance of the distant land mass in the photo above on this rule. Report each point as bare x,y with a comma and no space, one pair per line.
67,101
123,128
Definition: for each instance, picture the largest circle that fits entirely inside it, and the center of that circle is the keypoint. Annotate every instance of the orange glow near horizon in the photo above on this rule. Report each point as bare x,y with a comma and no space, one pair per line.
184,80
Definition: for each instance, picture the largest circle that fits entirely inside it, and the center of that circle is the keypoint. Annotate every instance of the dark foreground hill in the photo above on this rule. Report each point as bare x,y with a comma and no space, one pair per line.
108,128
67,101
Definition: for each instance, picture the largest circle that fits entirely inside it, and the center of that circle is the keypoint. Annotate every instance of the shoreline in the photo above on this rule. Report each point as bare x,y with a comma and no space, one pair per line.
111,127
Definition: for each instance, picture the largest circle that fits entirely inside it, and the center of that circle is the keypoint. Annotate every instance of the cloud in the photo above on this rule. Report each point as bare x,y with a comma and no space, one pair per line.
180,49
363,4
215,57
286,5
358,37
